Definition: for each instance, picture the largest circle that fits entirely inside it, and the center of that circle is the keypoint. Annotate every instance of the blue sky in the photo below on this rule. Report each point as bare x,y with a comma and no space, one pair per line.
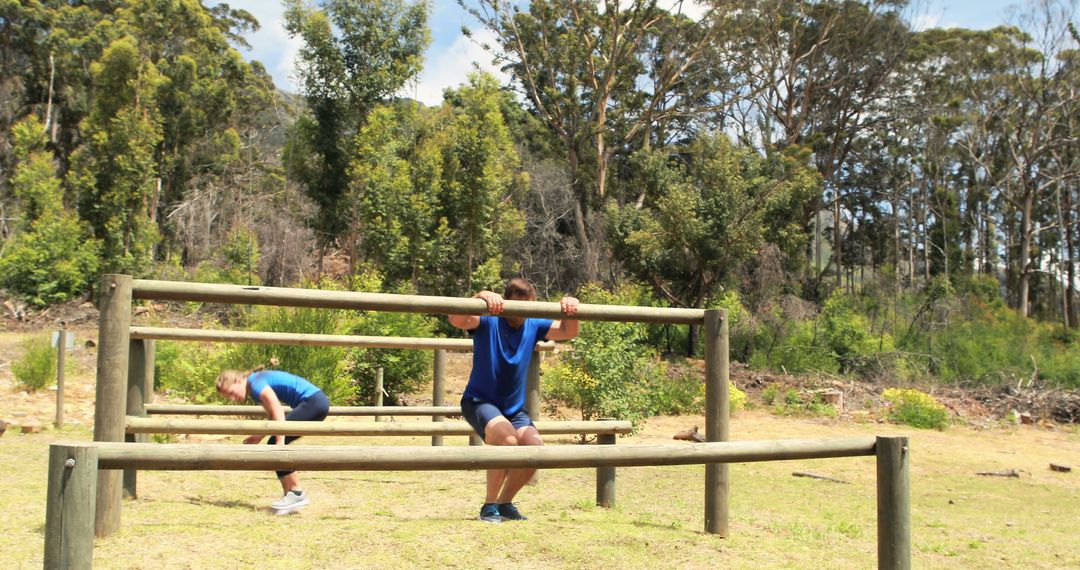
451,56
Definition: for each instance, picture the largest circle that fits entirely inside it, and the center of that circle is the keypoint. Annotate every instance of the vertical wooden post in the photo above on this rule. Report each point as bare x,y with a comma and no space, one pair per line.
716,418
61,354
112,367
378,390
893,504
140,375
605,476
532,386
475,440
438,389
69,506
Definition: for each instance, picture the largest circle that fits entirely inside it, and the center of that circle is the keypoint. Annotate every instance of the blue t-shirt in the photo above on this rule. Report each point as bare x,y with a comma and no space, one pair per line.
289,388
501,356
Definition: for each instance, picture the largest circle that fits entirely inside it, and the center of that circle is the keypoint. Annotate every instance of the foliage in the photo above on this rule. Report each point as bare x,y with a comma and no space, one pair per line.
37,365
797,404
239,260
916,409
187,370
53,257
323,366
608,370
404,371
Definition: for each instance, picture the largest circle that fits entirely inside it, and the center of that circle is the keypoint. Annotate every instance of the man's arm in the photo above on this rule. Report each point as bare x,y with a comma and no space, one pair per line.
565,329
469,322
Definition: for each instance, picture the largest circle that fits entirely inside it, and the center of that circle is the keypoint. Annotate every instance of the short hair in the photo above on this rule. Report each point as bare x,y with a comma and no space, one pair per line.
519,287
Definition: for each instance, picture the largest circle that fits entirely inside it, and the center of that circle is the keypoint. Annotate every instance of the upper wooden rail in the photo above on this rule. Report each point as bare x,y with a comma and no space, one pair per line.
269,427
307,339
259,411
316,298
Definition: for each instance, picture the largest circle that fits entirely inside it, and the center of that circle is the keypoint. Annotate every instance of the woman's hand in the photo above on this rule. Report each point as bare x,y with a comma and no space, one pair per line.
569,306
253,439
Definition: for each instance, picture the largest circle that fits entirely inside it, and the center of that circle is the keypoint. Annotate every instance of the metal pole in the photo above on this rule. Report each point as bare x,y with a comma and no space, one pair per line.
112,367
378,390
893,503
438,389
61,353
69,506
716,418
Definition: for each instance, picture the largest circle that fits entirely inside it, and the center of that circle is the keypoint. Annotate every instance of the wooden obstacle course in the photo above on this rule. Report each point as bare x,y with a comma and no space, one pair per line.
137,425
73,467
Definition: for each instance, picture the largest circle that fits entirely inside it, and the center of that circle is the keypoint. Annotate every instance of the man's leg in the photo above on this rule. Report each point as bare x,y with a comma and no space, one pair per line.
517,478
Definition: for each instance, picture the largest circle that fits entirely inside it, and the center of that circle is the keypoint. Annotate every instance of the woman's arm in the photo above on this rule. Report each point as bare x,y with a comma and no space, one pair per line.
269,400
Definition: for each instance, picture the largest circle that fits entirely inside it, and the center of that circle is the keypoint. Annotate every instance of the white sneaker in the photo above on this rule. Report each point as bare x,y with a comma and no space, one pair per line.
292,501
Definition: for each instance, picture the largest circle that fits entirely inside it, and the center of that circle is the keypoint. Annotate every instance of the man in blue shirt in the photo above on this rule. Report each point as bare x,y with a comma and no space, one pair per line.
494,399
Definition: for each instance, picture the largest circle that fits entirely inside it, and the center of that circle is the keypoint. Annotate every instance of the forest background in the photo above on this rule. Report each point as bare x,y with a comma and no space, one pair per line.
869,200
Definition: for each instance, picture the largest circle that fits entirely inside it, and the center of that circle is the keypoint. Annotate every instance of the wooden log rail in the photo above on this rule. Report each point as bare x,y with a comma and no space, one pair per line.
267,427
316,298
259,411
308,339
73,471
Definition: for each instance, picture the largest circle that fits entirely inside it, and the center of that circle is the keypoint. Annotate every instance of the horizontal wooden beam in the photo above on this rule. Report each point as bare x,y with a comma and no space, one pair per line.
152,456
357,301
268,427
307,339
259,411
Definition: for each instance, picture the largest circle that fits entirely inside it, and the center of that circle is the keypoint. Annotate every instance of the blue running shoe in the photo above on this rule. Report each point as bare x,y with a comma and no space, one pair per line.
490,513
509,512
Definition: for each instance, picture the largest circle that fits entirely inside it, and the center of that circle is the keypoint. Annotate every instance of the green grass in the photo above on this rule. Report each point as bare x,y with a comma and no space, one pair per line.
197,519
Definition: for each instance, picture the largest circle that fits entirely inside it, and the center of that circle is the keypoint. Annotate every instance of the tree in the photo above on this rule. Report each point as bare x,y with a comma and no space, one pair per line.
603,80
114,172
53,256
355,54
717,205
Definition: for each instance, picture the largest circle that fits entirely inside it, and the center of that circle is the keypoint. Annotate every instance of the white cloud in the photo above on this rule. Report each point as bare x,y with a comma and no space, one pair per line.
452,66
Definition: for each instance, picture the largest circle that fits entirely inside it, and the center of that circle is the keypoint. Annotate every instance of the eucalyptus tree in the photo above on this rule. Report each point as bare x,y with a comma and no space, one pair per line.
355,54
1022,105
604,77
824,75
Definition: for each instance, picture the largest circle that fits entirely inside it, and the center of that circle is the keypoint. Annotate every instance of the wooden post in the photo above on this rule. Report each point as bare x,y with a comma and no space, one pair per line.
140,377
69,505
716,418
112,367
378,390
438,389
61,353
532,387
893,503
605,476
474,440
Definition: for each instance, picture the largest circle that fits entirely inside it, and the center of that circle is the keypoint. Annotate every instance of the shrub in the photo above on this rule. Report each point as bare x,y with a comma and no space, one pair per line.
187,369
37,366
916,409
321,365
404,371
796,404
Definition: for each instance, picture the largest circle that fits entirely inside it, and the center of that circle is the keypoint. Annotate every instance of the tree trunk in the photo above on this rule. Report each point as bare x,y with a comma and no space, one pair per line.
1070,262
1025,250
837,243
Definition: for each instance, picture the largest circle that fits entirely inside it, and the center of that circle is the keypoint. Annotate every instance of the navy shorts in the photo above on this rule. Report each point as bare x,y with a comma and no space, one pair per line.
478,413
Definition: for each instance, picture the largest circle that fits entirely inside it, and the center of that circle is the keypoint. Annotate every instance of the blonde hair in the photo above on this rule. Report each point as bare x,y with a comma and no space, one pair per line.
229,377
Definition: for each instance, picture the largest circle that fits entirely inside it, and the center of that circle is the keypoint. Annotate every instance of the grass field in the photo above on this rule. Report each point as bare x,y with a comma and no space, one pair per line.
405,520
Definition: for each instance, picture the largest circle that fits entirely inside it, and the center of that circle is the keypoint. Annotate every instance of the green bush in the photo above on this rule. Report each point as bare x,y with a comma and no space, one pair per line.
323,366
37,365
796,404
607,372
187,370
404,371
916,409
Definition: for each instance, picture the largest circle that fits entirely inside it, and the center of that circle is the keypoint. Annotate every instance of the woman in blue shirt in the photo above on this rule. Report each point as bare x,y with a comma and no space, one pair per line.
272,389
